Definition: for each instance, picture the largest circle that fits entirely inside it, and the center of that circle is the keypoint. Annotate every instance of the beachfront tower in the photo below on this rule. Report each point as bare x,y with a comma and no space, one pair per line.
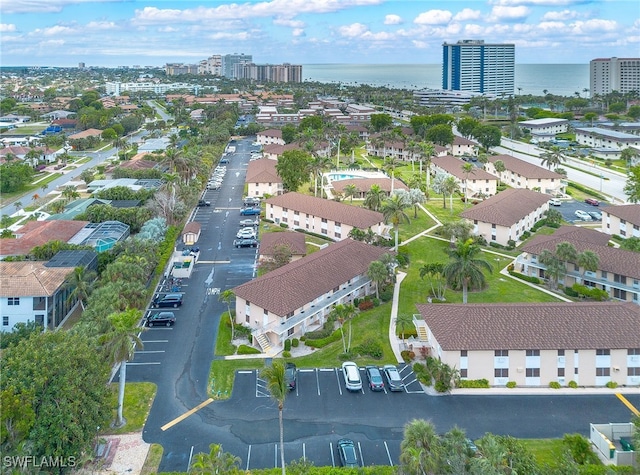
614,74
476,66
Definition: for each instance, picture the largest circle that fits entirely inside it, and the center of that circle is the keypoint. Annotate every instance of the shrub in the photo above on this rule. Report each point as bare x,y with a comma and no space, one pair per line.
327,329
287,345
286,354
554,385
510,268
570,292
376,302
356,302
527,278
371,348
322,342
473,383
295,342
612,385
386,294
572,384
422,374
441,386
248,350
526,235
580,449
511,243
365,305
407,356
511,384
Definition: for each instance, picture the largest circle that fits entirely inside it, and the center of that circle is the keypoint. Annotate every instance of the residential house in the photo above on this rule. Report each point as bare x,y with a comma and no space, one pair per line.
618,270
544,130
293,240
505,216
263,179
277,307
462,146
101,236
270,136
621,220
479,182
327,217
38,233
521,174
535,344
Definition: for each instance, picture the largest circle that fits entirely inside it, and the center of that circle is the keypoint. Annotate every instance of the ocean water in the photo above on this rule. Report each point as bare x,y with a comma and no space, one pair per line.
558,79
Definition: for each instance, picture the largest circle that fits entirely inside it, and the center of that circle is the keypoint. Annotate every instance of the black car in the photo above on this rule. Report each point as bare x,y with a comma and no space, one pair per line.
290,375
166,319
245,242
168,300
347,453
204,203
375,378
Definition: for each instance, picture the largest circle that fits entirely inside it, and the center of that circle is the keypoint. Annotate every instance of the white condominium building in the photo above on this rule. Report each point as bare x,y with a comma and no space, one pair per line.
614,74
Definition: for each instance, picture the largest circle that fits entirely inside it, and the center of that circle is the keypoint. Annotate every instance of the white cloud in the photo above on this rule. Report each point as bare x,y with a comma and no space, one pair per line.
467,14
288,22
501,13
560,16
590,27
297,32
547,3
102,25
392,20
354,30
42,6
433,17
7,27
55,30
420,44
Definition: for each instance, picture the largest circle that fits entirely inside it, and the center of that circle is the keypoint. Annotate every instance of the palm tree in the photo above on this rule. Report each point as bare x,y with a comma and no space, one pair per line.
390,165
378,272
554,267
318,165
449,187
464,268
566,253
216,461
500,168
344,313
350,191
404,322
227,297
553,158
80,281
467,168
70,193
420,443
416,197
393,212
276,380
374,198
120,344
17,205
589,261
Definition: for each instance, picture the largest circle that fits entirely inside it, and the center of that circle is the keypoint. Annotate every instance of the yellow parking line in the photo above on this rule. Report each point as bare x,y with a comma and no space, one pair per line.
168,425
626,402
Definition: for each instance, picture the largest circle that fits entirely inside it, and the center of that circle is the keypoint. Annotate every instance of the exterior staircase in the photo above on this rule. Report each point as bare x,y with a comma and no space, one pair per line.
264,342
422,333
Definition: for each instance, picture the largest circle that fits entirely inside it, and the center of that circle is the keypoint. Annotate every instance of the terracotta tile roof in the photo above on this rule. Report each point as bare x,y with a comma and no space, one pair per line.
192,227
617,261
86,133
295,241
30,279
290,287
37,233
453,166
524,169
507,207
332,210
365,184
543,326
630,213
262,171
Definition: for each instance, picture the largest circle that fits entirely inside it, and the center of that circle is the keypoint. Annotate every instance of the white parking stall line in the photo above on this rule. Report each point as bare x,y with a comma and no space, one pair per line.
149,351
338,379
317,383
261,387
304,451
155,341
361,457
306,370
160,329
386,447
142,364
333,460
275,455
245,372
248,457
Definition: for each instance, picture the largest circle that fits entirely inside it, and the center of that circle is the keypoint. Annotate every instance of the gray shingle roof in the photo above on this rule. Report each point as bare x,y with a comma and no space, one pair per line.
453,166
544,326
524,169
290,287
507,207
630,213
294,240
262,171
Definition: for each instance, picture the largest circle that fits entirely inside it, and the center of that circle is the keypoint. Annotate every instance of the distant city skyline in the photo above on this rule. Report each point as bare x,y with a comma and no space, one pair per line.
155,32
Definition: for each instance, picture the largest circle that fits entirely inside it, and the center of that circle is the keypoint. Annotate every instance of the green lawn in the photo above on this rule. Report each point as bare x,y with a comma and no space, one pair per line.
138,398
548,452
223,372
28,190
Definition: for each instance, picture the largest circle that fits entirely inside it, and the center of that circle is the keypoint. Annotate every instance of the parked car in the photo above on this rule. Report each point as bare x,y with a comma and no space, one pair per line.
202,203
592,202
168,300
224,160
375,378
583,215
166,319
249,222
245,242
246,233
290,375
394,380
251,201
596,215
351,374
555,202
213,186
347,453
250,211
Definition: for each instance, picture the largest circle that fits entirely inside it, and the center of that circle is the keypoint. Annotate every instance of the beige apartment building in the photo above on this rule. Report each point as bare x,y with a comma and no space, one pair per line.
479,182
534,344
327,217
263,179
621,220
297,298
505,216
521,174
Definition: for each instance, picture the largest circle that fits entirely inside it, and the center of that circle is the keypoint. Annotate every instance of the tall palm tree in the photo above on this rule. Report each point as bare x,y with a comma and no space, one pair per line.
428,150
374,197
499,167
318,165
344,313
566,252
378,272
80,282
390,165
350,191
449,187
554,267
227,297
404,322
589,261
465,269
552,158
393,212
216,461
276,380
120,344
467,168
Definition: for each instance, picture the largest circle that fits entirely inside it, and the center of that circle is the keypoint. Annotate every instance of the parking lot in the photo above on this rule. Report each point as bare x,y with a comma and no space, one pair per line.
568,209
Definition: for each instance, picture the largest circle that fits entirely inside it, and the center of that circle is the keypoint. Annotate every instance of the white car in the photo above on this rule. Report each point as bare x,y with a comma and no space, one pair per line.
555,202
246,233
583,215
249,222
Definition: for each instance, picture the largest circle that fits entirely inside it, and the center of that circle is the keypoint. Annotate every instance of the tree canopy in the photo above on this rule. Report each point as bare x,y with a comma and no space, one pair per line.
293,168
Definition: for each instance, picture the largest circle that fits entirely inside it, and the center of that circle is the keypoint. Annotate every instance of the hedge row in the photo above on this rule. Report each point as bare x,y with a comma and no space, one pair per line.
527,278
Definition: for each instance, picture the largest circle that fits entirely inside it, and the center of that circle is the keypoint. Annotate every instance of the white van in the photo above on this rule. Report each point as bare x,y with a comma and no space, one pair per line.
351,374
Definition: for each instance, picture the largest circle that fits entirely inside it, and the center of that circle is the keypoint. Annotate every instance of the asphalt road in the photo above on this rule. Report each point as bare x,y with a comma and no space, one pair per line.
320,410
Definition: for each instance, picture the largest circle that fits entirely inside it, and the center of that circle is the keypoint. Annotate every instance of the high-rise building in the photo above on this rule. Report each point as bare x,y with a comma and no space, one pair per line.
614,74
230,60
212,65
476,66
269,72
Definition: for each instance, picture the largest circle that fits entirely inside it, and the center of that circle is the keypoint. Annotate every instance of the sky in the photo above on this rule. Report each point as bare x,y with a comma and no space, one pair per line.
113,33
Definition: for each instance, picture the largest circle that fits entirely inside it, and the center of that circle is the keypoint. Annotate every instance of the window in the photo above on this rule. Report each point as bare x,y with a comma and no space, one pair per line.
633,371
603,352
337,224
603,274
620,279
463,353
603,372
5,321
533,352
533,372
501,372
13,301
338,235
501,353
633,351
560,352
463,373
620,294
324,220
561,372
